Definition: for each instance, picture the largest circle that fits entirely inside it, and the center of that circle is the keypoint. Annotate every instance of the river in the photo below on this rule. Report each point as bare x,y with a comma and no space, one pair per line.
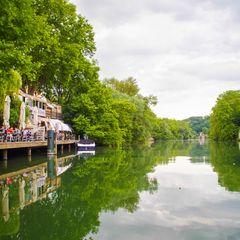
170,190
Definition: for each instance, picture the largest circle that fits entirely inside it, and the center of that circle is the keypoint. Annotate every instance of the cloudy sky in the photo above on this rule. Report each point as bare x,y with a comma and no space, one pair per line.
185,52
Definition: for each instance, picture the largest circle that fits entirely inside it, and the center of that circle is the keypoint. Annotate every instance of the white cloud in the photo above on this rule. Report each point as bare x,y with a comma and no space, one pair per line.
184,52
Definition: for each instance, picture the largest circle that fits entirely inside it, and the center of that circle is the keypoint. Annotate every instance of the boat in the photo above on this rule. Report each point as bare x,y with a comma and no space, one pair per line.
85,144
86,152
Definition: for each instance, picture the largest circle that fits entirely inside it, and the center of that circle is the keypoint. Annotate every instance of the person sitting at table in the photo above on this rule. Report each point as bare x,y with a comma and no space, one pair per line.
25,132
14,134
2,130
9,134
17,130
2,134
29,135
10,131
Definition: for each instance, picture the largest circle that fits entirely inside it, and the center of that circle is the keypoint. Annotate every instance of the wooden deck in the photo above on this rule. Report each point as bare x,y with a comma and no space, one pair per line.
11,145
5,146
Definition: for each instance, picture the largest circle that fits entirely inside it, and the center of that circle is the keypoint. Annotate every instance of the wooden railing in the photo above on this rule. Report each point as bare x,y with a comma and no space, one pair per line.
52,113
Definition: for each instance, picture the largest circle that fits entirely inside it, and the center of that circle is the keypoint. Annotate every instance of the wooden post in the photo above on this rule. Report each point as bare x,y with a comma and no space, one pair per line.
52,142
55,142
4,154
5,164
62,147
69,147
29,151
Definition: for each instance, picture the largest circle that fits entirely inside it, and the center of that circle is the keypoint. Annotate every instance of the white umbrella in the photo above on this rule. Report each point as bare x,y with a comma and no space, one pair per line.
22,116
35,119
6,112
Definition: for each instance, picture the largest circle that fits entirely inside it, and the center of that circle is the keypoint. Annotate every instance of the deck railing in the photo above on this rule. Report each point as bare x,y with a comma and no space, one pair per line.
40,135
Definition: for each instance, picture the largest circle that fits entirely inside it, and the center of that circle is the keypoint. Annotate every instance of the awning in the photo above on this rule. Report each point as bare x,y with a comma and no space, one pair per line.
60,126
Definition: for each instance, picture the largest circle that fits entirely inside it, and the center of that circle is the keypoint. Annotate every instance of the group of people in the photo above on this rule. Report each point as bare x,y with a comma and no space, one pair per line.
15,135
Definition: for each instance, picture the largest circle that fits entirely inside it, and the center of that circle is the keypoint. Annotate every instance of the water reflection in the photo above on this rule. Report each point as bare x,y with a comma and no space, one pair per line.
70,197
225,159
26,186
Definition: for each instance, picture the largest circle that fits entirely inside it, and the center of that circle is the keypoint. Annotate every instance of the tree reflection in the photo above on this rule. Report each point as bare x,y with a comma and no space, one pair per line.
107,182
225,159
9,221
168,150
115,179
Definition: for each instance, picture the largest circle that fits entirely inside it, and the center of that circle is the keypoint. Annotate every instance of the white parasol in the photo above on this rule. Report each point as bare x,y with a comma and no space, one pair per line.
35,119
22,117
6,112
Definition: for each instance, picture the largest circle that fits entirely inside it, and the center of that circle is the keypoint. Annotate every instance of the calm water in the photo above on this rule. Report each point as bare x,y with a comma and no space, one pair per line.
171,190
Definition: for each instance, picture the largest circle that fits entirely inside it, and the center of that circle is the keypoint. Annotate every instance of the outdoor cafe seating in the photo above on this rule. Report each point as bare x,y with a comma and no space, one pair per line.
2,135
16,136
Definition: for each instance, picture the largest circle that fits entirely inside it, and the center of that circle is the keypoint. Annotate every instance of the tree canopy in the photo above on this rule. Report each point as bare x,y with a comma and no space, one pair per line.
128,86
48,44
225,116
197,124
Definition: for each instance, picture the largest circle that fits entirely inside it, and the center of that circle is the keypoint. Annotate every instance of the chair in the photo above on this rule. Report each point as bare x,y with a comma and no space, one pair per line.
39,137
24,138
14,136
9,137
19,137
2,137
29,137
60,136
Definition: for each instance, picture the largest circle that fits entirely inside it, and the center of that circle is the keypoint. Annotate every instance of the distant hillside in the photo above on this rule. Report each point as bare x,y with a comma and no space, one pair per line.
198,123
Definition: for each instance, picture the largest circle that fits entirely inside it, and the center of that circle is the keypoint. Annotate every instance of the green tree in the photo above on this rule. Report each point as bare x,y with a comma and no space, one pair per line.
161,130
21,29
166,129
197,123
128,86
96,116
48,44
205,130
225,120
184,130
10,83
143,119
65,52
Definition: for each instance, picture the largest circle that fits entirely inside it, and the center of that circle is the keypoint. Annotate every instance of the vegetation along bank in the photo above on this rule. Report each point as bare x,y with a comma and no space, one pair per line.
54,55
